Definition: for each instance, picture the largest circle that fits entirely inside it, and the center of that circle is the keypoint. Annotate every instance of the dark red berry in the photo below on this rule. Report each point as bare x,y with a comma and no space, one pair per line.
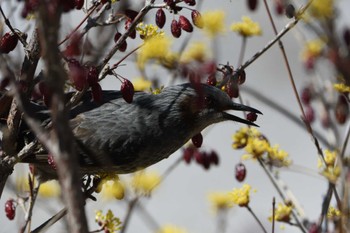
10,209
92,75
252,4
160,18
185,24
241,77
240,172
232,89
309,114
74,46
279,8
132,34
188,154
197,140
346,36
306,95
77,74
341,110
197,19
175,28
190,2
252,116
127,90
124,45
51,161
8,42
205,161
211,80
214,158
198,156
96,92
79,4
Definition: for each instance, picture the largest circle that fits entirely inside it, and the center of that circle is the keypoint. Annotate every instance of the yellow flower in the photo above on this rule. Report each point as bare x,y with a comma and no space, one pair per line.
247,27
144,182
171,229
241,196
108,222
282,213
331,173
214,22
240,138
341,87
322,8
329,157
147,31
313,49
278,157
110,186
50,189
141,84
156,47
195,52
333,212
256,147
220,200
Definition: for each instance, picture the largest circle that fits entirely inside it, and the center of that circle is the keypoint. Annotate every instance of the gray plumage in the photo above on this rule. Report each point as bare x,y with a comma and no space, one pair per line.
122,137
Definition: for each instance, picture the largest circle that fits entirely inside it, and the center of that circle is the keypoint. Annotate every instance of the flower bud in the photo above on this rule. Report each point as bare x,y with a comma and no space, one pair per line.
197,19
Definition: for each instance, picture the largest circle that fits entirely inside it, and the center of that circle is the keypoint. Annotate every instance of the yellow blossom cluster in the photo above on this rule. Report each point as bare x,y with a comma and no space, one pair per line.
171,229
108,222
329,167
241,196
247,27
147,31
110,187
50,189
312,49
341,87
333,212
195,52
282,213
257,146
220,200
145,182
141,84
157,48
322,8
214,22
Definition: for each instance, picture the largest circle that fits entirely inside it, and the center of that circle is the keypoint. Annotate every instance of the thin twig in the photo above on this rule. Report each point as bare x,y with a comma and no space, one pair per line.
273,214
257,219
127,218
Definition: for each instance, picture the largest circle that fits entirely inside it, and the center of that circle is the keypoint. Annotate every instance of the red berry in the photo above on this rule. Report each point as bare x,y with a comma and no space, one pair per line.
205,161
51,161
198,156
10,209
160,18
197,19
127,90
211,80
8,42
252,4
96,92
240,172
306,95
346,36
175,28
132,34
232,89
197,140
214,158
290,11
78,76
241,77
92,75
190,2
124,45
79,4
188,154
279,9
309,114
341,110
185,24
252,116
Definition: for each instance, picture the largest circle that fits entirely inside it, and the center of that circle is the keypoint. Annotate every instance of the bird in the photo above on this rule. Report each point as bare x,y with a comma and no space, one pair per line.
120,137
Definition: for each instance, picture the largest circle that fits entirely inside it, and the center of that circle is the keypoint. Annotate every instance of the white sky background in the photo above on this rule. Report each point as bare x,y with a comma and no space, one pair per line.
182,198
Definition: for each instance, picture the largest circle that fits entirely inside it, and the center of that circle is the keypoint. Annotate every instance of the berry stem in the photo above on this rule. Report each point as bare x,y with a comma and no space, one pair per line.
7,22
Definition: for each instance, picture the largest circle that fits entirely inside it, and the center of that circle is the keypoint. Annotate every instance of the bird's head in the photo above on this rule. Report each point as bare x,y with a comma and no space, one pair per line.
208,104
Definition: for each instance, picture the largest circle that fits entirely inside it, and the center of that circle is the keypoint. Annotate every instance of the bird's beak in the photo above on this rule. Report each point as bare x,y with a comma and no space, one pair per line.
240,107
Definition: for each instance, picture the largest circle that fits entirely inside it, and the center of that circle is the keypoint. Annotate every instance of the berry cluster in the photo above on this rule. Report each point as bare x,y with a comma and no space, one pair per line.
341,107
203,158
234,79
8,42
182,23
